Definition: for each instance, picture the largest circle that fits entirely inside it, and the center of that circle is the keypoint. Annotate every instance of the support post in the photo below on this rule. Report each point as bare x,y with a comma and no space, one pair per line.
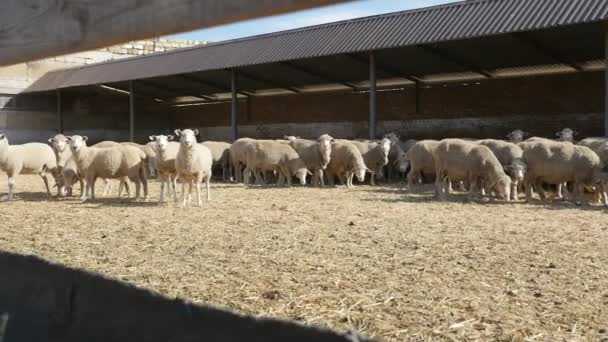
131,113
59,113
606,79
233,106
372,95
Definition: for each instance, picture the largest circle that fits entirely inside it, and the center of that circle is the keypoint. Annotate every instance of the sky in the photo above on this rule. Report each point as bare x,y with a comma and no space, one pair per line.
355,9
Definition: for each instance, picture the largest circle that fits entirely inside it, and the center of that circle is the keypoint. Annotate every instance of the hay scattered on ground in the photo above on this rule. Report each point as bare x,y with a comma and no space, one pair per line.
375,259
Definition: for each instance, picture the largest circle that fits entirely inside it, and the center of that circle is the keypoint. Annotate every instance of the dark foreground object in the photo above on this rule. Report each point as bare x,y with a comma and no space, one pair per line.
40,301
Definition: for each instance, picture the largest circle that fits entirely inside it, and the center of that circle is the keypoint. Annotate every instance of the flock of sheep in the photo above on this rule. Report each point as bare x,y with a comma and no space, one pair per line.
489,167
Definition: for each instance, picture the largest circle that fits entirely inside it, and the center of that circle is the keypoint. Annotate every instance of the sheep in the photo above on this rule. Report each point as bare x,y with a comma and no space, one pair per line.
315,154
193,165
556,162
346,162
238,158
118,161
517,136
220,151
276,156
509,155
150,155
70,175
31,158
375,155
566,134
457,159
420,156
165,154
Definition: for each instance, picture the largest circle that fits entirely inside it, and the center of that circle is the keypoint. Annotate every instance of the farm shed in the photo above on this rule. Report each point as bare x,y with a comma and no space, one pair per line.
474,68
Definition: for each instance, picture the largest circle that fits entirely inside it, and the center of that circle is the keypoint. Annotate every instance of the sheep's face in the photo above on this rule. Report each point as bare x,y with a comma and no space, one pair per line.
162,141
301,174
3,140
517,171
386,146
516,136
402,162
187,137
324,142
503,188
77,142
290,137
566,134
360,175
59,143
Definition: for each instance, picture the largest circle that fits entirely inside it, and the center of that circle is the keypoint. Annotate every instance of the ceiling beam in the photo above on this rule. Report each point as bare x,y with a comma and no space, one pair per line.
167,90
383,68
211,84
318,74
544,50
268,82
443,54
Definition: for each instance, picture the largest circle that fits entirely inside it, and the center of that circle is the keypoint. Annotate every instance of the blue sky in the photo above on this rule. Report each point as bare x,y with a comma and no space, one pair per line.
321,15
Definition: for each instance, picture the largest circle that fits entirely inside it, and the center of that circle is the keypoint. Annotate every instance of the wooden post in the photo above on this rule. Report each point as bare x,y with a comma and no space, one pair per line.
59,113
372,96
233,106
606,79
131,113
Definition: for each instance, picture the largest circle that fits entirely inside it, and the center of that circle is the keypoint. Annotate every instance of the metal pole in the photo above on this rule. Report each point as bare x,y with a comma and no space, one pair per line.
606,79
372,95
233,107
59,113
131,113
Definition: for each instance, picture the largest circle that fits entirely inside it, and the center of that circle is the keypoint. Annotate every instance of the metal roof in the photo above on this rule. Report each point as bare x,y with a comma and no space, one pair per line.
422,41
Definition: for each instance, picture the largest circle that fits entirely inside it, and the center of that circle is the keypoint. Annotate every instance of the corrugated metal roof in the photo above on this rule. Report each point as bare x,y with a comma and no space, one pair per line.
455,21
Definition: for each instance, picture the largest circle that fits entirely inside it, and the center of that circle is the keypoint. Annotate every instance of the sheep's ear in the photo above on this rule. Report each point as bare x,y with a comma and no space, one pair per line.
177,132
51,141
152,138
525,134
68,139
575,133
368,170
85,138
170,137
309,173
196,132
558,134
2,136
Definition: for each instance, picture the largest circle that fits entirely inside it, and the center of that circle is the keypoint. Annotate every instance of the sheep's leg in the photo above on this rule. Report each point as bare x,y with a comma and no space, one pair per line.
45,179
411,177
183,194
11,187
208,186
473,189
560,191
137,189
440,185
189,192
540,190
372,179
602,188
93,188
199,202
579,190
514,195
173,180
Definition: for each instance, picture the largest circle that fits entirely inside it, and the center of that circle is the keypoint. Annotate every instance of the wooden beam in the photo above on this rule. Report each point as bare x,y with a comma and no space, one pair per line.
234,126
59,113
37,29
606,79
211,84
318,74
373,115
175,92
441,53
544,50
131,112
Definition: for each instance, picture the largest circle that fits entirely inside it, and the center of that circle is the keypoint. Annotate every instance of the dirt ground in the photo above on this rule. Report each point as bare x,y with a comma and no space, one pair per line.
377,259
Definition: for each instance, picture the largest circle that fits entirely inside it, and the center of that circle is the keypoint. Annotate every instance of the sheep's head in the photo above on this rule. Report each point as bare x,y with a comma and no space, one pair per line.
290,137
59,142
517,171
301,174
503,187
566,134
77,142
161,141
360,173
324,142
517,136
187,137
402,162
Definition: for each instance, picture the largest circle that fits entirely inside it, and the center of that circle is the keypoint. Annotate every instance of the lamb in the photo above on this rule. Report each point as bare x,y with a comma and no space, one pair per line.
566,134
70,175
556,162
315,154
456,159
509,155
165,154
32,158
517,136
346,162
114,162
375,155
193,165
220,151
421,161
277,156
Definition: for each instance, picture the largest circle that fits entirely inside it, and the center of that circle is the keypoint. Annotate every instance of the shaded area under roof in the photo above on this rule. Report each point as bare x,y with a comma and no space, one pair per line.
478,36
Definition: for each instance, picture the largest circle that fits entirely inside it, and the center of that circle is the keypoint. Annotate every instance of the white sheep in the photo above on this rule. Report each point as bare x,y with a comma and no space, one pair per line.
113,162
165,155
193,165
32,158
